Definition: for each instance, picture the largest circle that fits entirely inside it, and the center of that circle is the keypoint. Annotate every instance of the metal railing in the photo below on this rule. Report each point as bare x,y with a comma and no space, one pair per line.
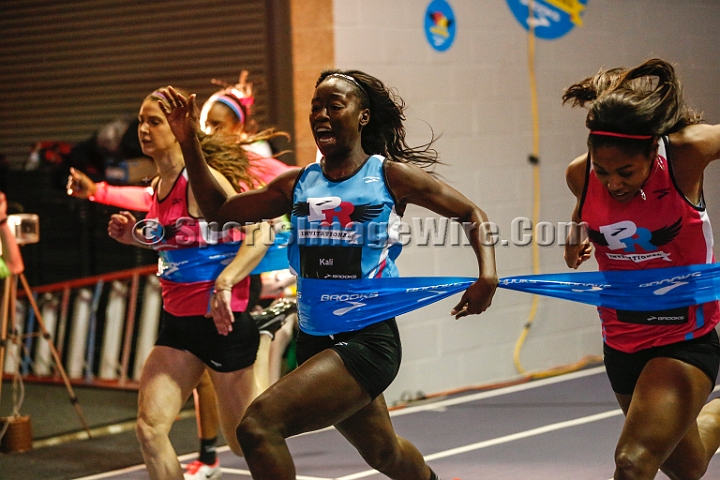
101,327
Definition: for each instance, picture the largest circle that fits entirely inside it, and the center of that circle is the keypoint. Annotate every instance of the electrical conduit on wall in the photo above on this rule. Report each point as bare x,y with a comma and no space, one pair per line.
572,10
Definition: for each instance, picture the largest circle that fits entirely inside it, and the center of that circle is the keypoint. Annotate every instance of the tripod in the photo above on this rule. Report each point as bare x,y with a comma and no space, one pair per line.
8,312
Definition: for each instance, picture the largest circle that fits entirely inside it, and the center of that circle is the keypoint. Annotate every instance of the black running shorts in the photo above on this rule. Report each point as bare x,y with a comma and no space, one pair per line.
623,369
197,334
371,355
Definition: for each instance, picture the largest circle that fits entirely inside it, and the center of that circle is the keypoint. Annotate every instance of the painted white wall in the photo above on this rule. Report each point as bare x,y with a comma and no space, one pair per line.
477,96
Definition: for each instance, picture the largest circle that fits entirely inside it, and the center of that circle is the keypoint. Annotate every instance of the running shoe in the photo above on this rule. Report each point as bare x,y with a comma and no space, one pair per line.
268,321
201,471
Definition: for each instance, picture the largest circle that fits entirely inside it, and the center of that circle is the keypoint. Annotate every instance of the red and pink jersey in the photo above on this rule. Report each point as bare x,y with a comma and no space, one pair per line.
658,228
179,231
184,232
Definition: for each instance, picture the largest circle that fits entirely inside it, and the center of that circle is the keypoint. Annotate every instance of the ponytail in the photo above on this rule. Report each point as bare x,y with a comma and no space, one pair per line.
645,100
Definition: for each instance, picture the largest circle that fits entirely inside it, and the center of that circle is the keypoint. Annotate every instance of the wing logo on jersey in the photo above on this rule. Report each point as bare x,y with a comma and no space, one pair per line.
628,237
328,210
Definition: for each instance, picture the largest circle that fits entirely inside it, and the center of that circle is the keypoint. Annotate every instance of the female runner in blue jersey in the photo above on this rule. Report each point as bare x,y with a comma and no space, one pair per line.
343,211
639,194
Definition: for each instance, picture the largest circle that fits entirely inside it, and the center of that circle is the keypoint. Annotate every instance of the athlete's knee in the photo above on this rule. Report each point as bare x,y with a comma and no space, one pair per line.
255,428
147,433
633,461
383,456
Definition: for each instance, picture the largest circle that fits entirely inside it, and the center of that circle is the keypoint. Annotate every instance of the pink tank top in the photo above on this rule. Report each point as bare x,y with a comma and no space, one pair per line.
663,229
182,230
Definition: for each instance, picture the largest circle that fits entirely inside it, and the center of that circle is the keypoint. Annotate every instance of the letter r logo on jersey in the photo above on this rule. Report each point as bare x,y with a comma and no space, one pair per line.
626,235
326,209
615,234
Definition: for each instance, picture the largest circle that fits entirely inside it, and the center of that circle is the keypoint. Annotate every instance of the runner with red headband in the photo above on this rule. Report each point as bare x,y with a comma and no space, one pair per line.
639,192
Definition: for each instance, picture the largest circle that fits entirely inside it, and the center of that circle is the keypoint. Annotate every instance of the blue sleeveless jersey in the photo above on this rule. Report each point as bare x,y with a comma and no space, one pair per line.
347,229
343,230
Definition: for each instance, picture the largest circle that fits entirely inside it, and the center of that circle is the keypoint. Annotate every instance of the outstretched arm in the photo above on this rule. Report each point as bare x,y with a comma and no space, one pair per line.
182,116
412,185
135,198
272,201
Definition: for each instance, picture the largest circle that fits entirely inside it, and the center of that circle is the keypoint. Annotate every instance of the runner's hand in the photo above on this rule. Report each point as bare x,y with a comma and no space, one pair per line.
221,311
477,298
576,255
120,227
182,114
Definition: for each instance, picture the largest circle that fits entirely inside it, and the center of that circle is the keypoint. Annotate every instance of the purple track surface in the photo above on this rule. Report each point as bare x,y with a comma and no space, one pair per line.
559,428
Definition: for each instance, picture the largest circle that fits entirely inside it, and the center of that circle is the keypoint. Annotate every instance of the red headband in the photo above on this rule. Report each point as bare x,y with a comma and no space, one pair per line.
620,135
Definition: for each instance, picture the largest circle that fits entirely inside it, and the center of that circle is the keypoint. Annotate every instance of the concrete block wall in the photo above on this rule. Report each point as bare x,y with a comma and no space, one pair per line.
477,96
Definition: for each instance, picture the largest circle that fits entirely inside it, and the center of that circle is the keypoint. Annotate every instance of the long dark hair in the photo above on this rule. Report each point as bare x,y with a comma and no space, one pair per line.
642,101
385,133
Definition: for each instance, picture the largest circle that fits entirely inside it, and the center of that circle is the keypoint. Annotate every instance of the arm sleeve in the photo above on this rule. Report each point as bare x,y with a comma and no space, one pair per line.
132,198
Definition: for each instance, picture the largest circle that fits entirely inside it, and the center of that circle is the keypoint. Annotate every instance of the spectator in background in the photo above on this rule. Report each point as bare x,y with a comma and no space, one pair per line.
113,143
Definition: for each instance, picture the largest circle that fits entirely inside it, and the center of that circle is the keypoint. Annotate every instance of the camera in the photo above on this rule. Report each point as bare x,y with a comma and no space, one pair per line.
25,227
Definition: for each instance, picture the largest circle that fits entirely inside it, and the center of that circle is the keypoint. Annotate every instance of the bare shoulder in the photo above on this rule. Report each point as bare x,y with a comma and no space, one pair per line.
403,175
400,167
575,174
696,143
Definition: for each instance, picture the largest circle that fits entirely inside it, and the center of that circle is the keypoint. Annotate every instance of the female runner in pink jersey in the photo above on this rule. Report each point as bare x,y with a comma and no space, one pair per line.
269,360
194,284
639,193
